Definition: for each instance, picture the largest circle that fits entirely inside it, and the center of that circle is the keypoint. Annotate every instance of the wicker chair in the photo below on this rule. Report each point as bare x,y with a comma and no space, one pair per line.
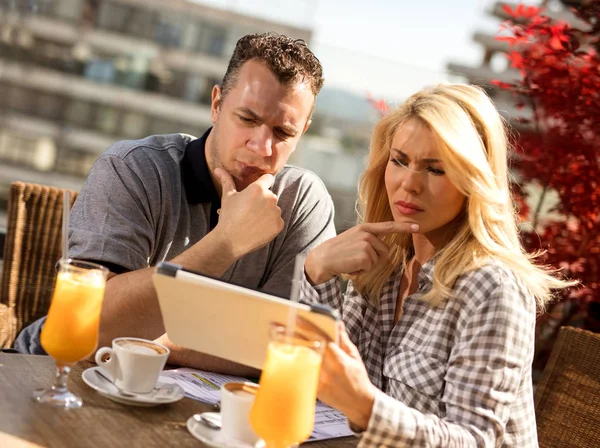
567,400
32,248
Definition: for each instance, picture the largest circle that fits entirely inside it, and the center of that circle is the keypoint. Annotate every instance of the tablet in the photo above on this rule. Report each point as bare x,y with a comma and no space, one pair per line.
227,320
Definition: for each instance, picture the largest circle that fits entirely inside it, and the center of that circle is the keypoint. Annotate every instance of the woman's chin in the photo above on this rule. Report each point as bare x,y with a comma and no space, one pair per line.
402,219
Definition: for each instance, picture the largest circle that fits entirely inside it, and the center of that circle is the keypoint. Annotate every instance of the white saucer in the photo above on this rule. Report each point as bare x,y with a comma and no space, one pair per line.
164,392
214,437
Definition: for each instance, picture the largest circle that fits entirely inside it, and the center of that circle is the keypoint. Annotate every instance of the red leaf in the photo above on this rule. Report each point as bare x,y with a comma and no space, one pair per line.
509,39
532,11
501,84
516,59
519,10
556,43
379,105
508,10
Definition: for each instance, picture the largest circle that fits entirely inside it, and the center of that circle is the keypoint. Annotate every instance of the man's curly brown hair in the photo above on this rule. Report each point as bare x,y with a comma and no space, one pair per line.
290,60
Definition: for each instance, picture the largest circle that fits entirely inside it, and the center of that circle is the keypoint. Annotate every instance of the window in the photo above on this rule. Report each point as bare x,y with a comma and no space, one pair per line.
107,119
217,38
142,23
193,87
50,106
44,154
75,161
175,85
4,92
168,30
212,40
12,145
115,17
56,56
100,70
79,113
133,125
205,96
22,100
132,71
190,34
67,9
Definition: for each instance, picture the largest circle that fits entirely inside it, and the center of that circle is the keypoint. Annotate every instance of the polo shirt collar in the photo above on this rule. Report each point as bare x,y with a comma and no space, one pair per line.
197,182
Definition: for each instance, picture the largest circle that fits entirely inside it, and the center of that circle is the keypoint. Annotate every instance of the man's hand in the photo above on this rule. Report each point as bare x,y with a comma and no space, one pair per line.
248,219
356,250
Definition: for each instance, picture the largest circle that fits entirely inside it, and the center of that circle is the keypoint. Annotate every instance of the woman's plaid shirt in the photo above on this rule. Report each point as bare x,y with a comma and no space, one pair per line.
458,375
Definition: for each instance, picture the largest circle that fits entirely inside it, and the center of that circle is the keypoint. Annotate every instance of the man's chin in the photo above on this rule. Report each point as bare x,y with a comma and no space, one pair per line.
243,182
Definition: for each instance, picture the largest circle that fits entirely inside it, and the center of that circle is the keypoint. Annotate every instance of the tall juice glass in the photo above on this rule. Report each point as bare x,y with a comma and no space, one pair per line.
283,413
71,329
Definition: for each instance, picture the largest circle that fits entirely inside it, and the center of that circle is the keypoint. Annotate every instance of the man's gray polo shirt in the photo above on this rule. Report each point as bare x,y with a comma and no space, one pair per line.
148,200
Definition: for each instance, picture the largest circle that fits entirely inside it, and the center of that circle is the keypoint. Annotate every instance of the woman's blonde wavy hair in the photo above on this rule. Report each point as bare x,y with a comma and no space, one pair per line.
473,146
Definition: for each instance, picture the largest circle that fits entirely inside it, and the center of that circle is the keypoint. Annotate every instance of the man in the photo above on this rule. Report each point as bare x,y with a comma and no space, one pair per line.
224,204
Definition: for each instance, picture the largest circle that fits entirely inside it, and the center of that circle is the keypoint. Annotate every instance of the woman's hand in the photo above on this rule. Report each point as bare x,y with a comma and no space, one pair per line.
344,382
358,249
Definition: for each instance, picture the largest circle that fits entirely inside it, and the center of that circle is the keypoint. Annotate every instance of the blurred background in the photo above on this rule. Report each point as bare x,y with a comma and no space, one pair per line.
78,75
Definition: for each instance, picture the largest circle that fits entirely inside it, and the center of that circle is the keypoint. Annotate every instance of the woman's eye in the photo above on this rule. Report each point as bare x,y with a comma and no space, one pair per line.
436,171
399,162
432,170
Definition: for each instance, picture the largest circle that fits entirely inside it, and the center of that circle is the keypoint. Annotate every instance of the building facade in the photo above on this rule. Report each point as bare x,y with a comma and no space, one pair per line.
78,75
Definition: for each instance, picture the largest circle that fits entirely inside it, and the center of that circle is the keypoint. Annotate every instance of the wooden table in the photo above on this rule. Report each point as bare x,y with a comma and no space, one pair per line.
99,423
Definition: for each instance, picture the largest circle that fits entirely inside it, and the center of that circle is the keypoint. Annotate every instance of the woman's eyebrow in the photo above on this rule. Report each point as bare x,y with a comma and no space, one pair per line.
403,154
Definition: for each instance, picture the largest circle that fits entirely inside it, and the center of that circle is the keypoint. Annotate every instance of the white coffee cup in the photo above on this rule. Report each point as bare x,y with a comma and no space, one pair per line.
236,402
134,364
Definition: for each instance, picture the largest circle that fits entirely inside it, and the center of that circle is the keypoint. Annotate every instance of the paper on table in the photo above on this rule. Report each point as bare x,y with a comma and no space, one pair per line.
200,385
329,424
205,386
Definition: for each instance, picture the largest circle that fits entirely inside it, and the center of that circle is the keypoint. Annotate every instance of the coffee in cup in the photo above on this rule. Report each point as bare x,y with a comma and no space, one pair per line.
133,364
236,401
141,346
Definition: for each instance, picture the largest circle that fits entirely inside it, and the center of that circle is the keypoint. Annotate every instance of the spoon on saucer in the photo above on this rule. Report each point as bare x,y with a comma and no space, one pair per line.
208,420
105,378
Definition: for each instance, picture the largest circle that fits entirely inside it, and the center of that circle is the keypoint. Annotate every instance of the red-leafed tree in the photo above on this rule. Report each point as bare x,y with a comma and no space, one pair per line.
558,149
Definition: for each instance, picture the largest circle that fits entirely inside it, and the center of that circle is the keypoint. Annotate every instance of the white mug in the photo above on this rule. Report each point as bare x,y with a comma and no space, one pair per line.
134,364
236,402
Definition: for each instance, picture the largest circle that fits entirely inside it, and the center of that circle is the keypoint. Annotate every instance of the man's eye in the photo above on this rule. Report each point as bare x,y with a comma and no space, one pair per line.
246,119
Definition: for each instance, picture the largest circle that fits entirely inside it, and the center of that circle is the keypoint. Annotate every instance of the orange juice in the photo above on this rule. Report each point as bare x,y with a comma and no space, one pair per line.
71,329
284,409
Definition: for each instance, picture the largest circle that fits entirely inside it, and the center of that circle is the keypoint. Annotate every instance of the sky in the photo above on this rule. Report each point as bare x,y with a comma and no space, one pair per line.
396,47
391,48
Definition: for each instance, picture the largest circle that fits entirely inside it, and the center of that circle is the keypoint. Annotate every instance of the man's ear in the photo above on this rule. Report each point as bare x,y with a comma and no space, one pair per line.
215,104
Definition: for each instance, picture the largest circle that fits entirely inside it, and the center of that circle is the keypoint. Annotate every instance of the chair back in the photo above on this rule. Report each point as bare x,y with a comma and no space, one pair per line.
31,249
567,400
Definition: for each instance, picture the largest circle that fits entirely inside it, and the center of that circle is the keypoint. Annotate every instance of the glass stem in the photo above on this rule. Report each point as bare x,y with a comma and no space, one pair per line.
62,373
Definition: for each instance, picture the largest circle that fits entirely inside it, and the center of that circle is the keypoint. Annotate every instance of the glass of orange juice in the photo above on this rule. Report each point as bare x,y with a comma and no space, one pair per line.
70,332
283,413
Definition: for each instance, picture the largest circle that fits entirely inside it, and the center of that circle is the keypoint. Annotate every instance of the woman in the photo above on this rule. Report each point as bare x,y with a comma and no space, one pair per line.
440,322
